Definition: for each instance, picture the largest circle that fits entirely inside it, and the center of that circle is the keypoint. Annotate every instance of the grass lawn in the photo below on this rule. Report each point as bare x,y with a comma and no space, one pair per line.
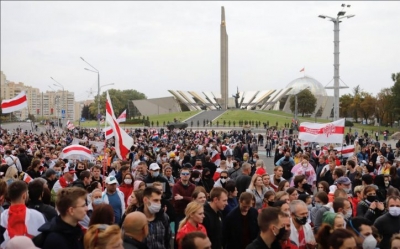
170,116
283,117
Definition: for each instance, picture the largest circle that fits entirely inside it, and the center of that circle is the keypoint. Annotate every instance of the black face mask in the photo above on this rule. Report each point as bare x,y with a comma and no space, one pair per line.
281,234
306,186
371,198
271,203
301,220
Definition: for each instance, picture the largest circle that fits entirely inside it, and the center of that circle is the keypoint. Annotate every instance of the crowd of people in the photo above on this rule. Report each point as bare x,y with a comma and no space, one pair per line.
187,189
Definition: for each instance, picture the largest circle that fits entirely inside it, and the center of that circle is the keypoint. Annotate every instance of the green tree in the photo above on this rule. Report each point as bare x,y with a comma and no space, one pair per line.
368,105
384,105
119,99
345,102
357,99
306,102
395,89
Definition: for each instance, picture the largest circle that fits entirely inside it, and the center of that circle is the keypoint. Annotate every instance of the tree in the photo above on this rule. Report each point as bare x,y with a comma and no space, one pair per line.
307,102
345,102
384,105
119,99
395,89
368,105
357,99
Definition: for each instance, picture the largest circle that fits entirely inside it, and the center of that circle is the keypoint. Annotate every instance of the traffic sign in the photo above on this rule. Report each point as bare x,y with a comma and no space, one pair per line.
63,113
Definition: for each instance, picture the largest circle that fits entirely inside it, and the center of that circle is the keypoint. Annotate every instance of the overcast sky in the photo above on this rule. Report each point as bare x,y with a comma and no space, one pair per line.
156,46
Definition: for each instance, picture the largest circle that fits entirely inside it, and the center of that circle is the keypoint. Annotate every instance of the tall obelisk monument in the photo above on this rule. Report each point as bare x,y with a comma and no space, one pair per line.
224,62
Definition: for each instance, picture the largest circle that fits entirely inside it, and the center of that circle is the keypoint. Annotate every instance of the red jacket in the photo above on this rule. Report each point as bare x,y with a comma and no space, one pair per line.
127,190
186,192
288,244
188,228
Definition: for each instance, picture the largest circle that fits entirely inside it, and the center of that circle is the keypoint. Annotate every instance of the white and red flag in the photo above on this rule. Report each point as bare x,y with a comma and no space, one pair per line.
17,103
122,117
216,157
76,151
346,151
70,125
123,141
322,133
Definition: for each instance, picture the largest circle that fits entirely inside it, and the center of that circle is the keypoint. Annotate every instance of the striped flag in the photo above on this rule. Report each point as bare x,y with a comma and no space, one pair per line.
17,103
122,140
27,178
108,130
70,125
77,151
215,157
122,117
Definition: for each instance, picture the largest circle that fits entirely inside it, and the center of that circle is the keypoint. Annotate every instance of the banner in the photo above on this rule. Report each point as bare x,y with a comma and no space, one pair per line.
322,133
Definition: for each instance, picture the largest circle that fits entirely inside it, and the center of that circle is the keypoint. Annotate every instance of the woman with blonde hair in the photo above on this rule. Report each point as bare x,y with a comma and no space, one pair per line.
258,189
101,236
194,212
11,175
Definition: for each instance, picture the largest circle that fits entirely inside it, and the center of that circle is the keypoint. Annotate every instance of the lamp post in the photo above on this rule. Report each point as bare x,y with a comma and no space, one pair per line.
63,99
336,84
98,91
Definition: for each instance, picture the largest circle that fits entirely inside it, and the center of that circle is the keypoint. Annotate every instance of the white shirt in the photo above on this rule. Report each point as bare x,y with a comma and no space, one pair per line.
13,161
308,233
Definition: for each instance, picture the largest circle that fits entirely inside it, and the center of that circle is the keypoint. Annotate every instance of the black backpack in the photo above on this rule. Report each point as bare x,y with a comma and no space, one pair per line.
287,168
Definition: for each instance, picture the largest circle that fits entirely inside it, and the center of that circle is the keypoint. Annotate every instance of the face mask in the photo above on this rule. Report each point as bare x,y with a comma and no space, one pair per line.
254,159
97,201
306,186
348,214
318,205
271,203
192,155
309,206
369,242
155,174
305,165
371,198
301,220
58,173
347,190
386,183
128,181
154,207
281,233
280,152
197,179
223,180
394,211
164,159
145,158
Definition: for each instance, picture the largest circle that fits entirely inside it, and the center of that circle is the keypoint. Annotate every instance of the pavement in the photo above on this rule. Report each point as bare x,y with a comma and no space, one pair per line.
205,115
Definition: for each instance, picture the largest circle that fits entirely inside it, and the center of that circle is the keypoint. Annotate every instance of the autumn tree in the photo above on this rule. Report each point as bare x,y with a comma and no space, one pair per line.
367,106
306,102
345,103
384,105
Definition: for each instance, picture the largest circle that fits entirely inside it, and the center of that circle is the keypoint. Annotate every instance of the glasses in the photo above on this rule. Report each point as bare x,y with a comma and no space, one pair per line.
185,174
82,206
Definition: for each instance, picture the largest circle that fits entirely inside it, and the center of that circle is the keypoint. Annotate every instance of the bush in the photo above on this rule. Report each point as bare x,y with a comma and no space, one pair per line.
348,123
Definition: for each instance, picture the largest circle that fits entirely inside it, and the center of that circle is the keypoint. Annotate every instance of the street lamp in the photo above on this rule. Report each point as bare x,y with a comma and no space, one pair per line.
336,85
98,91
63,98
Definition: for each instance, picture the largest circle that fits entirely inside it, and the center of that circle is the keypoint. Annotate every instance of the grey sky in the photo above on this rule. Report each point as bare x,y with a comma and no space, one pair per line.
156,46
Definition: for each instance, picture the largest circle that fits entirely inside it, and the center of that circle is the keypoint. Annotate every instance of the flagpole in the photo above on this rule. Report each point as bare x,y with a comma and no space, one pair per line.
304,71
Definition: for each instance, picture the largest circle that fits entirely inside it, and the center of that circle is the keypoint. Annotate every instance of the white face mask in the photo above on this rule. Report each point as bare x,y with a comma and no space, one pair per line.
223,180
305,165
348,214
369,242
128,181
394,211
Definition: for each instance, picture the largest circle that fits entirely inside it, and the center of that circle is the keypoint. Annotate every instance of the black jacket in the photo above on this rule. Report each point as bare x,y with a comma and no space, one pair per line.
78,183
242,183
61,235
48,211
364,211
131,243
233,227
213,224
258,243
167,193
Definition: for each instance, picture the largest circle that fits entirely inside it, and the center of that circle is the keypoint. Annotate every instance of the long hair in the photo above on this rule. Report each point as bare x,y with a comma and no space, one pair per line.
99,235
322,237
190,209
102,214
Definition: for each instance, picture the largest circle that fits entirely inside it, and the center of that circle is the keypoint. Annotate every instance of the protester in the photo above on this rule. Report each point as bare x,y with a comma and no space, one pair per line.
101,236
192,222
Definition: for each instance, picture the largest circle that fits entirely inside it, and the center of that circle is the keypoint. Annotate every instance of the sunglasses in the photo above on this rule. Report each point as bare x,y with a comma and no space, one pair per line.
185,174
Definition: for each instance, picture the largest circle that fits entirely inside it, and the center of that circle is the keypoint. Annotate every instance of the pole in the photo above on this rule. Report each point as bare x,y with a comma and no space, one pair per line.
336,68
295,107
63,105
98,102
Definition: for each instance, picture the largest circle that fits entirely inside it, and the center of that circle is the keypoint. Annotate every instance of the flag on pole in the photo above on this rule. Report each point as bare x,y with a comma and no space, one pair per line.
123,141
17,103
322,133
70,125
302,70
122,117
27,178
108,132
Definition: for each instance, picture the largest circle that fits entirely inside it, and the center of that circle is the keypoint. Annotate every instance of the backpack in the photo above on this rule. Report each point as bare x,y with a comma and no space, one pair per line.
287,168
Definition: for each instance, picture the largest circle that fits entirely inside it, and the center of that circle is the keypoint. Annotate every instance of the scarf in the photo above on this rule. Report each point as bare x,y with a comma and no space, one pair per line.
16,217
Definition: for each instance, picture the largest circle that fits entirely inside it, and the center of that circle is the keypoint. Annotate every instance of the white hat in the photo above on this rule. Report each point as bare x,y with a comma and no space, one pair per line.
154,166
318,147
111,180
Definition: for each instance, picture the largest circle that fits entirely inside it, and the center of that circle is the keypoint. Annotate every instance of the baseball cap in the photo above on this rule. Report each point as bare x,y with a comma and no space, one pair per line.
154,166
318,147
111,180
20,242
50,172
343,180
